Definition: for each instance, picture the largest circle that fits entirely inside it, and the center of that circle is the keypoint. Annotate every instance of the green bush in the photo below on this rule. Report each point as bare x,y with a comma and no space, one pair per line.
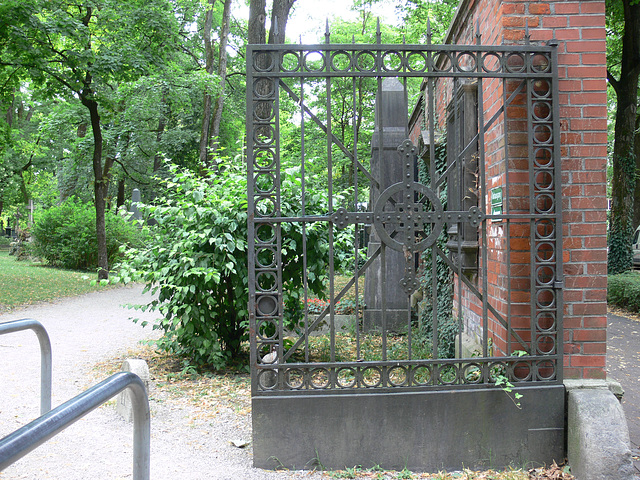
624,291
197,261
65,235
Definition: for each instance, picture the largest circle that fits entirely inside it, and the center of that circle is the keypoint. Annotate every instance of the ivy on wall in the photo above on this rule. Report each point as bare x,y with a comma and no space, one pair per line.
447,327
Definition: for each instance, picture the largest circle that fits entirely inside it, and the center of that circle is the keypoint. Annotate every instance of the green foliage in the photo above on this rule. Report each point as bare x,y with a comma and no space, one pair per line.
196,262
624,291
448,327
621,229
65,235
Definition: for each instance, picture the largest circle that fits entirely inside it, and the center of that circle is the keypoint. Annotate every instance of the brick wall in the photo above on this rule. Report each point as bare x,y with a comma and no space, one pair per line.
578,27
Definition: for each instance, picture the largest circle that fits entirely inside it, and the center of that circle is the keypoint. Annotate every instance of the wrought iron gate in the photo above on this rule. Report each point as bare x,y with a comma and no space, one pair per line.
469,184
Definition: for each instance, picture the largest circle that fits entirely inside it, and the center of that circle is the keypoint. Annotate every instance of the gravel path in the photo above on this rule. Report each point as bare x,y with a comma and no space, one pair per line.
86,330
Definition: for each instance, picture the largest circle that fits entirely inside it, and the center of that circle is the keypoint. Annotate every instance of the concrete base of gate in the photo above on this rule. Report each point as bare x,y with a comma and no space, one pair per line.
422,431
597,434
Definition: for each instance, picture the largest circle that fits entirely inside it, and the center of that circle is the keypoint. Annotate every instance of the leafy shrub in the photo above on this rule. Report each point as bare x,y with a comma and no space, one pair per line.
65,235
197,261
624,290
343,307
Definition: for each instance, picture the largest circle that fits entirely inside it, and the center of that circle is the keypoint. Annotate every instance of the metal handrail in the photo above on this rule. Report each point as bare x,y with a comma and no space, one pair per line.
17,444
45,355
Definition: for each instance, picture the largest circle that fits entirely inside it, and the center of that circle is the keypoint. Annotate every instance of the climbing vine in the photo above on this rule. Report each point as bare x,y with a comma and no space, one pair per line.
447,326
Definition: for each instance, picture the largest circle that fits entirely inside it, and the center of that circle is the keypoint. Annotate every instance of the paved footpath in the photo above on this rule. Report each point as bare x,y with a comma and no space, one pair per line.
623,365
85,330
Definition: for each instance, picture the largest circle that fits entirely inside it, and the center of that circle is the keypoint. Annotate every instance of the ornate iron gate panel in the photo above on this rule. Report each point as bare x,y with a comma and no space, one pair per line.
471,186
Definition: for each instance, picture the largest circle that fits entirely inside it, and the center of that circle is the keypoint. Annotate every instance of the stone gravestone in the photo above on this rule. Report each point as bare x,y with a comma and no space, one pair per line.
135,200
386,166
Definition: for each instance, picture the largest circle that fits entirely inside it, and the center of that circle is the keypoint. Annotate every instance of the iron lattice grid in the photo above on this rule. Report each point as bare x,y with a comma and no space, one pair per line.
270,71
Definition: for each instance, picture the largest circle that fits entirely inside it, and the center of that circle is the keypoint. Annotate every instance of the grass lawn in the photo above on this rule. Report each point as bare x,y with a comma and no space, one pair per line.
25,282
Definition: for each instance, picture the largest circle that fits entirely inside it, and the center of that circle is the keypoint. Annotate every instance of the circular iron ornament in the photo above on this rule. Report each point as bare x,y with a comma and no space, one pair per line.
542,134
515,63
495,370
338,58
489,59
266,282
398,376
294,378
346,377
264,135
365,62
372,377
546,345
540,63
545,229
546,322
265,182
264,159
266,257
267,306
541,89
472,373
417,62
546,370
264,326
466,62
545,203
410,217
545,298
541,111
521,371
267,379
448,374
389,60
264,111
263,58
319,378
290,57
545,275
443,58
265,234
307,62
264,88
545,252
421,375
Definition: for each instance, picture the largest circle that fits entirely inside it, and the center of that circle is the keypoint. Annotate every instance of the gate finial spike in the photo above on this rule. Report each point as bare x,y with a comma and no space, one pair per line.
327,33
527,37
378,32
276,32
478,34
428,31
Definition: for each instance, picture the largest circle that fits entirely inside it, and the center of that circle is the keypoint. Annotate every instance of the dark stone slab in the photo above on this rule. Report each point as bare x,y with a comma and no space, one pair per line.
422,431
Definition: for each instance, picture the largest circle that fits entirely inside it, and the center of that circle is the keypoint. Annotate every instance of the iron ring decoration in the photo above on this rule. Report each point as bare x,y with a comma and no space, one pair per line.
397,217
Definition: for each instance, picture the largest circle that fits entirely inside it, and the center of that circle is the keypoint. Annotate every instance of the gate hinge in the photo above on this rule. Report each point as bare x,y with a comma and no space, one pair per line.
559,284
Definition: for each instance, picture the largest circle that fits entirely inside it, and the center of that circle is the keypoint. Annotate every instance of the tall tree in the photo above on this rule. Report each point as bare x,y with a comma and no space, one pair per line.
624,159
82,50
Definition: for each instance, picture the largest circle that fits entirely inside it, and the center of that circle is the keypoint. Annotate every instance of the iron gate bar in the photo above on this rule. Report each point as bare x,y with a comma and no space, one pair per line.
481,58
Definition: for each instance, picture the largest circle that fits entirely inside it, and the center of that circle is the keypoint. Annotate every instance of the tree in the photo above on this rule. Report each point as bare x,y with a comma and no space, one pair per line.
624,156
81,51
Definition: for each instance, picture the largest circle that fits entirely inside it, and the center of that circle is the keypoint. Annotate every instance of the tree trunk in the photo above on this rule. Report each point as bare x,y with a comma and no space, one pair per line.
99,187
162,123
279,18
256,34
209,65
624,162
222,72
120,198
636,196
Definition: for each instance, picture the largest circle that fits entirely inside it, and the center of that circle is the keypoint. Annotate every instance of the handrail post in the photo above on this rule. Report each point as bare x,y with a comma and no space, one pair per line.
45,355
19,443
